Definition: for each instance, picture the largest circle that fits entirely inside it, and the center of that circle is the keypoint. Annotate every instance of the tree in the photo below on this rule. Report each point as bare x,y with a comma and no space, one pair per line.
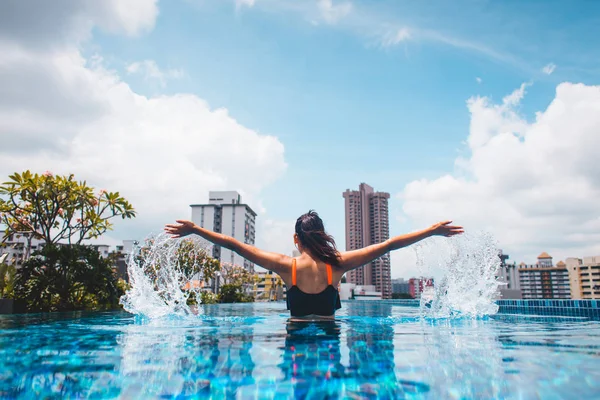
67,278
193,259
232,293
236,281
235,275
208,298
57,208
7,279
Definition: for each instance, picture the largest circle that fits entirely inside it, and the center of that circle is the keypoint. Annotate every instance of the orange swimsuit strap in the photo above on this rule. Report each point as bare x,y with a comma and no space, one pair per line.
329,273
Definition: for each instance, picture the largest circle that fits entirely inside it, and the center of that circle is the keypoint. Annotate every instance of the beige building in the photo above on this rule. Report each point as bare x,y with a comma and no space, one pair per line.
543,280
367,222
268,287
584,277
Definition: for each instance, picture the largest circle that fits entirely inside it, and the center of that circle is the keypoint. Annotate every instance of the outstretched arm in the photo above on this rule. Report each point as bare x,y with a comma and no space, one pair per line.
357,258
278,263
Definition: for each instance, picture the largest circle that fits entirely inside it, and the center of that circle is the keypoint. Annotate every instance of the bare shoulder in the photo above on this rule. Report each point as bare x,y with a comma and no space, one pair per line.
279,263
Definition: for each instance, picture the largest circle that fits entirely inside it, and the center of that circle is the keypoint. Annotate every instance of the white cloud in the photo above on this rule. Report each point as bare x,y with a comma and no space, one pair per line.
549,69
332,13
534,184
276,235
478,79
151,71
395,36
404,263
513,99
40,23
62,112
364,22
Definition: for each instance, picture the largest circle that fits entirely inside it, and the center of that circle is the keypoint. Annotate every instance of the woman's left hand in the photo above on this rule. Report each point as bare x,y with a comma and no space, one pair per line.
182,228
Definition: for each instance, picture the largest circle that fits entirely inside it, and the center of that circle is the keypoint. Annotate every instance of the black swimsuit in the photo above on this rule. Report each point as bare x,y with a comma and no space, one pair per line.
302,304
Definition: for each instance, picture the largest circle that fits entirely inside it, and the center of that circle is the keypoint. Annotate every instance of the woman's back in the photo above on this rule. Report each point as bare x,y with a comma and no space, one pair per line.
311,275
315,293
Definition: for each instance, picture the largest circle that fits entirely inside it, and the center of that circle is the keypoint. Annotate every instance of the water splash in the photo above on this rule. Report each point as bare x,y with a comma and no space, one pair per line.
163,274
464,272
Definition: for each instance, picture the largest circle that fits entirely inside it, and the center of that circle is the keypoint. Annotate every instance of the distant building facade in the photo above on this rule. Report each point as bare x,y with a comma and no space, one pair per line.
15,247
366,292
367,222
351,291
543,280
14,250
400,286
268,287
584,277
508,274
225,213
416,286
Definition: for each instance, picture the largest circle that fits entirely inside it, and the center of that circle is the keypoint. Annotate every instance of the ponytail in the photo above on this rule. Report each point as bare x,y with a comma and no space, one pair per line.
312,236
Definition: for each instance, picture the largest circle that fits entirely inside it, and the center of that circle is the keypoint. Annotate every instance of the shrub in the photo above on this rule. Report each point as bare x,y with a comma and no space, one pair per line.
234,293
67,278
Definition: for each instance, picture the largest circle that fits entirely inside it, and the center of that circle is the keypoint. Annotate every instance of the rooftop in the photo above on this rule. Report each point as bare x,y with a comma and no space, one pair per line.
226,205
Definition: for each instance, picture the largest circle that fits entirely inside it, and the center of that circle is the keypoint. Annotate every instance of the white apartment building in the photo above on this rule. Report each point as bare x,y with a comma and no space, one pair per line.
225,213
15,246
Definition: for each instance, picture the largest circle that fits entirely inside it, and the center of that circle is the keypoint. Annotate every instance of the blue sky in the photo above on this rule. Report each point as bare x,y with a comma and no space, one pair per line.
358,91
350,110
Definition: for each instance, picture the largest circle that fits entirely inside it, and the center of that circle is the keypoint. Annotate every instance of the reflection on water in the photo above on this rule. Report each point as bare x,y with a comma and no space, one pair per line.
372,351
311,358
464,358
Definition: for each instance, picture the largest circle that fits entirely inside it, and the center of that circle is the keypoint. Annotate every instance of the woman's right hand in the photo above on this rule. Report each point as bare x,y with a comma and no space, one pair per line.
445,229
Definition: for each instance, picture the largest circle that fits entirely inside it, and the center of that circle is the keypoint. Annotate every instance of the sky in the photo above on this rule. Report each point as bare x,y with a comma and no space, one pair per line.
484,113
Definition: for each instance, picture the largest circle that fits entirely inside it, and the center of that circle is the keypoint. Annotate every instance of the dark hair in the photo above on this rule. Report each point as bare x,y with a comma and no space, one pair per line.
312,236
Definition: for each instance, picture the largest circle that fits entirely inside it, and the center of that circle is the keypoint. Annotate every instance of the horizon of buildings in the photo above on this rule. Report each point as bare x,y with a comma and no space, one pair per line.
367,222
575,279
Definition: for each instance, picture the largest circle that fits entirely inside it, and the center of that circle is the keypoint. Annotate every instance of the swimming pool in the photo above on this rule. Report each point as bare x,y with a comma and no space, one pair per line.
251,351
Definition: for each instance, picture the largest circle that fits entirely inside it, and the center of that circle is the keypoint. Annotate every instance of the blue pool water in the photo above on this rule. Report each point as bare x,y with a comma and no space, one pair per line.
253,351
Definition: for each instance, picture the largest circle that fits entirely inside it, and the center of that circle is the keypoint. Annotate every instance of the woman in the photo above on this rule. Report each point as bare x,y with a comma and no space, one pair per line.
313,277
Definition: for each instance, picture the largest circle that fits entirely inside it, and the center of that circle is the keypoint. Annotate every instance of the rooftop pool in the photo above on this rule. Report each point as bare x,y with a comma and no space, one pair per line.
373,350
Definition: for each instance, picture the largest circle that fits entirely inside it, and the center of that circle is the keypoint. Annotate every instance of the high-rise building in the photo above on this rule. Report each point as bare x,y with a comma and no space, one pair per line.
367,222
543,280
584,276
225,213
